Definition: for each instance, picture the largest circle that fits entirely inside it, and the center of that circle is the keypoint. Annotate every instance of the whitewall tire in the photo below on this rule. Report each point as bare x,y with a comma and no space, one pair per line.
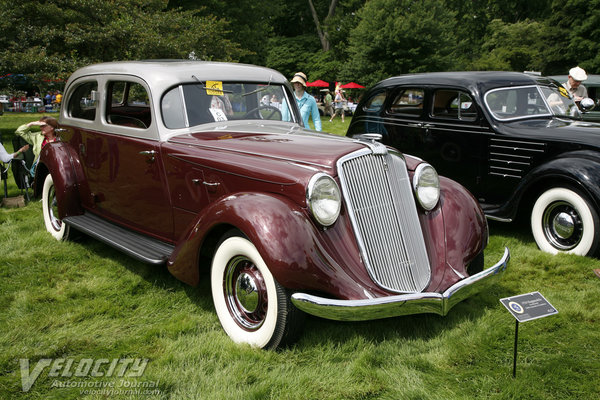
54,225
252,307
563,220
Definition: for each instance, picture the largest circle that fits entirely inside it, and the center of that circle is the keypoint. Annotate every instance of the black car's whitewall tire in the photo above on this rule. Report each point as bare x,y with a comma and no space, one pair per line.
563,220
54,225
252,307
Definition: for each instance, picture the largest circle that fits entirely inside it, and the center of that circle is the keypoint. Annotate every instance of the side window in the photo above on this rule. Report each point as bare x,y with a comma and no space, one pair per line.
408,101
82,101
128,105
454,104
173,111
375,103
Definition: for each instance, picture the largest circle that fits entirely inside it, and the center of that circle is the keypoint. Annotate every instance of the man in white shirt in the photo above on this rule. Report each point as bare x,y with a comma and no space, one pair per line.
573,84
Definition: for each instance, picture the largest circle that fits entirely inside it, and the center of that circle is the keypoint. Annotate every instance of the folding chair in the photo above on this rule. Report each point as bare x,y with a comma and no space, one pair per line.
21,167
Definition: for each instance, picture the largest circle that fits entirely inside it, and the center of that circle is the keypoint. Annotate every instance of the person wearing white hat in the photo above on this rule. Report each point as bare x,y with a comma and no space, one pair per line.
306,103
573,84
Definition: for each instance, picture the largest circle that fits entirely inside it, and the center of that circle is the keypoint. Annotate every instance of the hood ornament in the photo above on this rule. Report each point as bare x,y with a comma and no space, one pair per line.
372,141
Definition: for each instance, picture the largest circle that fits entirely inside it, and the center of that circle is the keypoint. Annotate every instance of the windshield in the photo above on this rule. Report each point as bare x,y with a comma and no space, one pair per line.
212,101
530,101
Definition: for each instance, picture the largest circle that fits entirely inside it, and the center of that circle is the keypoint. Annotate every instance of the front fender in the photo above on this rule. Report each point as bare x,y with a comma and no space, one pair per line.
455,233
61,161
582,170
299,254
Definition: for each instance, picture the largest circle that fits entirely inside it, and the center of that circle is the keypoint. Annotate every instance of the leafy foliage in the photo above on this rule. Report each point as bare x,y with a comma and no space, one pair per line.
400,36
367,40
54,37
513,47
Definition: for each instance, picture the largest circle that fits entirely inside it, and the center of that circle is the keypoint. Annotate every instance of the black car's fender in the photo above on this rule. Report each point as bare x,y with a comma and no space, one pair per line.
579,169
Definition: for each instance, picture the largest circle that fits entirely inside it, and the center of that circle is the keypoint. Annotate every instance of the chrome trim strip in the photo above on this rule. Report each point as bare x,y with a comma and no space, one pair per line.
404,304
493,218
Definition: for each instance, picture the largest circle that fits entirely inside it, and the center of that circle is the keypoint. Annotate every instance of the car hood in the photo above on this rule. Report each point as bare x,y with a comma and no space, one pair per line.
284,142
555,129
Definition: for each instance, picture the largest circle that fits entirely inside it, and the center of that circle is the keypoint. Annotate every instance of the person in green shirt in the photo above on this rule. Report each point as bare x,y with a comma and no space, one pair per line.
38,139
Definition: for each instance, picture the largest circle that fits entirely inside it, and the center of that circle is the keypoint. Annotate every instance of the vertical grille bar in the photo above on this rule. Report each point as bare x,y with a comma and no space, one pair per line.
382,207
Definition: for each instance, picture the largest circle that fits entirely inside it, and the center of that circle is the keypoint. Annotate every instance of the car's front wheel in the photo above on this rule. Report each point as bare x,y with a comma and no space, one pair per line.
54,225
563,220
251,305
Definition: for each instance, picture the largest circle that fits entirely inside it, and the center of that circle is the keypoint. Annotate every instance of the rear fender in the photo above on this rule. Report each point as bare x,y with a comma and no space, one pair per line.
61,161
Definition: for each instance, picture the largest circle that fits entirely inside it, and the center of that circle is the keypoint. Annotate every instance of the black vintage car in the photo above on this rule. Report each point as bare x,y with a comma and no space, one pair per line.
516,141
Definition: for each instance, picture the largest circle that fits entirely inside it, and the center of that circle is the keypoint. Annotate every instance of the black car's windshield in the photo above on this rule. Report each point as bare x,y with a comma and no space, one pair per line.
213,101
530,101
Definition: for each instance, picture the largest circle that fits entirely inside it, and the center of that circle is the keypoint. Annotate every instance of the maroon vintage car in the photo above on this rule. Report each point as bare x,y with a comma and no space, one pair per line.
205,168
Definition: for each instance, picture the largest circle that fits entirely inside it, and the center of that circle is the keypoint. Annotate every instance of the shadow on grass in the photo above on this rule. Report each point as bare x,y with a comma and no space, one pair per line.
317,330
157,276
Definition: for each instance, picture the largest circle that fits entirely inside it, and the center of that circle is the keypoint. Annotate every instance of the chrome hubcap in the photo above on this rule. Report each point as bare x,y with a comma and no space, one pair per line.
245,293
562,225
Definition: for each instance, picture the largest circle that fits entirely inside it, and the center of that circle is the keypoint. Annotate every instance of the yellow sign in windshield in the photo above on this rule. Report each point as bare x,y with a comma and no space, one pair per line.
214,88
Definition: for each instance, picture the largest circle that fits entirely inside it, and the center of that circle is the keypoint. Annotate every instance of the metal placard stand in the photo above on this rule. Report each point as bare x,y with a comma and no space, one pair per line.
526,307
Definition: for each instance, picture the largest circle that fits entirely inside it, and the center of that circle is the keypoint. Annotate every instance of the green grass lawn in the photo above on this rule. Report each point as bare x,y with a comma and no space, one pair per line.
83,300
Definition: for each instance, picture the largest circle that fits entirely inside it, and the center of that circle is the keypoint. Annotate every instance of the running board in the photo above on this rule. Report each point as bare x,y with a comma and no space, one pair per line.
140,247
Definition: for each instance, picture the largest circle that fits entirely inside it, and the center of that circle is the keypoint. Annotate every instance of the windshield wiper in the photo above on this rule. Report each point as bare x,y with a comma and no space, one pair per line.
259,89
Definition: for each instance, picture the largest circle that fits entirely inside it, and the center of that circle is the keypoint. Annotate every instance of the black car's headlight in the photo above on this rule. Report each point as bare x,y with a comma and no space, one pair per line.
426,184
324,199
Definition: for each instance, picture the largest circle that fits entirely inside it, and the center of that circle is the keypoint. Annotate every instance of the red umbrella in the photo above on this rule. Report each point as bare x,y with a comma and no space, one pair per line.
318,83
352,85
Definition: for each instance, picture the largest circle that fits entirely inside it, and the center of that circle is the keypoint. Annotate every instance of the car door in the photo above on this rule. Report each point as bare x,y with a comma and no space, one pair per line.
444,127
122,162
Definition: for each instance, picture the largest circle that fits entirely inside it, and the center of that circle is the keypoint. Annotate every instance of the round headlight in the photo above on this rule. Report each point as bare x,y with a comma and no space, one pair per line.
324,199
426,184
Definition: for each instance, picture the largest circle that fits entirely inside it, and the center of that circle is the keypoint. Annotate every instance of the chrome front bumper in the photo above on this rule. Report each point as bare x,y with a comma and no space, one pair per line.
403,304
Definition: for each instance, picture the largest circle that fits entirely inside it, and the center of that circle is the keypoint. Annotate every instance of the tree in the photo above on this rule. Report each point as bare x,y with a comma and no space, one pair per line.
574,37
323,34
515,46
252,22
52,38
400,36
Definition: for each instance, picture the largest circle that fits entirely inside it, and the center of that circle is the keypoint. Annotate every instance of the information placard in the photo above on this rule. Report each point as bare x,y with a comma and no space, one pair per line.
526,307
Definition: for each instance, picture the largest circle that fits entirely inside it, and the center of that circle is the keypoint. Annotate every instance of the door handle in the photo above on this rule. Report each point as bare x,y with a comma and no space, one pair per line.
150,154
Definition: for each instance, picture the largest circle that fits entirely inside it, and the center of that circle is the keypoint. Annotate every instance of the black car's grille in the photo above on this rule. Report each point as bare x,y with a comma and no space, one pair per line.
513,158
380,200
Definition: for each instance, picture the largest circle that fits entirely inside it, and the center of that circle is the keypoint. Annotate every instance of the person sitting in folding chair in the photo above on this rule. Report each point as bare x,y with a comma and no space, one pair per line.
7,158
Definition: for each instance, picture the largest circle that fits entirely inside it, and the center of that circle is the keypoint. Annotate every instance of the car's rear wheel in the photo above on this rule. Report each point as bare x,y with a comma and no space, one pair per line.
54,225
563,220
251,305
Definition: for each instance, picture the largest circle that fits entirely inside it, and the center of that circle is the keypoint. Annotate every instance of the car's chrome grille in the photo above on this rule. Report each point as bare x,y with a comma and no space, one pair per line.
380,201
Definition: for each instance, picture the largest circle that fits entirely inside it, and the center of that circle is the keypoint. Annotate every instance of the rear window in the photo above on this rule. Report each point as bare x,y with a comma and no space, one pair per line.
409,102
454,104
83,101
375,103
